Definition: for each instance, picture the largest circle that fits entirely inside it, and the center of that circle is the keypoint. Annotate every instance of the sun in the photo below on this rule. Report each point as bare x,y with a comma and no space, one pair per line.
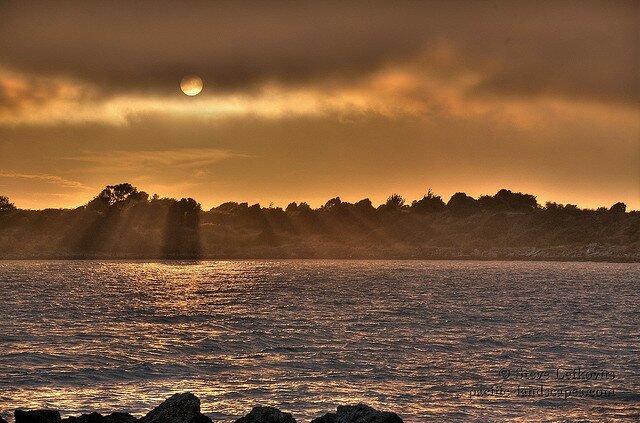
191,85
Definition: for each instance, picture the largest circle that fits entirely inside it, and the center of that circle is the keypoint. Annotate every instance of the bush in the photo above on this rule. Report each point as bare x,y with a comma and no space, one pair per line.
462,204
395,201
429,203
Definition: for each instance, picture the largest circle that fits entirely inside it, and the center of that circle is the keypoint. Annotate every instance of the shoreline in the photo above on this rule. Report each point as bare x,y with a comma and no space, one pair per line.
480,258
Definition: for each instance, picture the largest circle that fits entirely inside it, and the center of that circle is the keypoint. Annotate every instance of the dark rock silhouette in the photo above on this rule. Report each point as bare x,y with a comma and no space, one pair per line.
85,418
185,408
37,416
119,418
362,413
266,415
99,418
327,418
179,408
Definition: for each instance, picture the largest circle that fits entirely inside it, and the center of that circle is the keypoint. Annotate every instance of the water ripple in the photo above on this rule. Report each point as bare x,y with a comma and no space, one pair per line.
408,336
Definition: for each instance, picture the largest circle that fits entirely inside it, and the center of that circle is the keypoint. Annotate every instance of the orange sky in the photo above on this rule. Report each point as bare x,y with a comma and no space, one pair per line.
304,102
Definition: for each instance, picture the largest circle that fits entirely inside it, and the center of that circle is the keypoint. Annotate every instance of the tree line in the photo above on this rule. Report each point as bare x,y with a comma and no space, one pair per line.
124,222
459,203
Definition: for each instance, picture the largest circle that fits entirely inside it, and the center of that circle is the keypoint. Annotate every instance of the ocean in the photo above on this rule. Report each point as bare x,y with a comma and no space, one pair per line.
429,340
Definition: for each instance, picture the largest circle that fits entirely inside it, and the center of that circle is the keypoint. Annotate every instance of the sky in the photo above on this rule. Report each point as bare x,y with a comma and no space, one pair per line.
305,101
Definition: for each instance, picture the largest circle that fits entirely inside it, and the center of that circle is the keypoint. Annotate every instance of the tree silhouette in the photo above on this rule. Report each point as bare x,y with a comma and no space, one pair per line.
461,204
182,237
291,207
5,204
304,207
394,202
121,223
505,200
117,195
429,203
334,202
364,205
618,208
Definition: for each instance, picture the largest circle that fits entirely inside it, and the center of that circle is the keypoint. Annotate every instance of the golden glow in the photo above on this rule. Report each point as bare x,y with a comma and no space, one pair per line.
429,124
191,85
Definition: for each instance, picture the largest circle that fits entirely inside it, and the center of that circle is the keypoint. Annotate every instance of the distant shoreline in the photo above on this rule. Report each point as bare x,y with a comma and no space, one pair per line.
339,258
124,223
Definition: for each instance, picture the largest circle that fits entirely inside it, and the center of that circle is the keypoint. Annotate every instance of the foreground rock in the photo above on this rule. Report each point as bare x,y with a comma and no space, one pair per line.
327,418
266,415
85,418
99,418
179,408
37,416
185,408
360,413
119,418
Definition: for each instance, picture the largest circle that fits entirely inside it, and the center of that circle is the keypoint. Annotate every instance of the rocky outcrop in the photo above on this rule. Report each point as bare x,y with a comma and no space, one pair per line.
266,415
185,408
179,408
99,418
327,418
85,418
360,413
37,416
119,418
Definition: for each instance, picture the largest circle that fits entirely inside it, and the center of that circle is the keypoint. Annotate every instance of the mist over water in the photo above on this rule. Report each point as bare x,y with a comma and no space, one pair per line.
414,337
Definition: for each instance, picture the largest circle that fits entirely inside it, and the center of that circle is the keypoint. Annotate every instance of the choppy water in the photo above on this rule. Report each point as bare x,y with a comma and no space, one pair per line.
414,337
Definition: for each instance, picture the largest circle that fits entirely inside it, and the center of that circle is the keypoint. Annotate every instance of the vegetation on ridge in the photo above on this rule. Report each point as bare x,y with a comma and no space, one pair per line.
123,222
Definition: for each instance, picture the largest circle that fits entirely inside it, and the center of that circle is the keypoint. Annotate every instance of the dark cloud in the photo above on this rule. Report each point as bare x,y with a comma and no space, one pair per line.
575,49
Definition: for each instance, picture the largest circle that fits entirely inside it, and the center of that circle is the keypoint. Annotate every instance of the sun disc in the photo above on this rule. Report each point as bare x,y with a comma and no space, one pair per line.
191,85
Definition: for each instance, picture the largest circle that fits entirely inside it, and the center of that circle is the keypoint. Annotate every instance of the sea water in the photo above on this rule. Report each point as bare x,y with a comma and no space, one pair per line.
429,340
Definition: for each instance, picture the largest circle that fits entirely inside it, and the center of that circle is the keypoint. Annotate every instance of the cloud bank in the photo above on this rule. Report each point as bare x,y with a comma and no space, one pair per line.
584,49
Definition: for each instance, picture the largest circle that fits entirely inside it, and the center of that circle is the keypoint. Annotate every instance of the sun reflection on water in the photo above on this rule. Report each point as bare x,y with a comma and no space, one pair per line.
305,336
